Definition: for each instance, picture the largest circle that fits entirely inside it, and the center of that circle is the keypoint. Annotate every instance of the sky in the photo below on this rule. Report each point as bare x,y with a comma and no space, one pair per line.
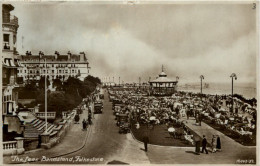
133,41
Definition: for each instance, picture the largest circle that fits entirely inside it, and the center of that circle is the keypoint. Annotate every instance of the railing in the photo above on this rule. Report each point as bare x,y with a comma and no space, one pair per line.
50,115
10,20
13,20
6,46
9,145
13,147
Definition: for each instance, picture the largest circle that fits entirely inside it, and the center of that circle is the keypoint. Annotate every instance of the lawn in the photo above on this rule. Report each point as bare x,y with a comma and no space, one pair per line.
159,135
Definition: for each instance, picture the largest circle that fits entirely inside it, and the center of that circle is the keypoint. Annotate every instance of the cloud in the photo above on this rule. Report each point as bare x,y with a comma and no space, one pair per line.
134,41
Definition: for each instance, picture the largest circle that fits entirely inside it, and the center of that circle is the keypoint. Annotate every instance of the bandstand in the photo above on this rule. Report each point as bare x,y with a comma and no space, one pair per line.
162,86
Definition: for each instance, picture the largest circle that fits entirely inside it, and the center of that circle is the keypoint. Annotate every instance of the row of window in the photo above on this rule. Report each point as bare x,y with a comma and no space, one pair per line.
52,71
53,77
49,65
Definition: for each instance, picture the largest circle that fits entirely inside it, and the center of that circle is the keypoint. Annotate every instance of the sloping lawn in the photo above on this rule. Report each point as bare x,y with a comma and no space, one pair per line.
159,135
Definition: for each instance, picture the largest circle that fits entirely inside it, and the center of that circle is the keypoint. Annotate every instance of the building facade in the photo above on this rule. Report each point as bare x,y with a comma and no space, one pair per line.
10,62
55,66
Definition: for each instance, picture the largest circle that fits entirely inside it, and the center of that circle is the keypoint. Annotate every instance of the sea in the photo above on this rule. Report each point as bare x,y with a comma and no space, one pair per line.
247,90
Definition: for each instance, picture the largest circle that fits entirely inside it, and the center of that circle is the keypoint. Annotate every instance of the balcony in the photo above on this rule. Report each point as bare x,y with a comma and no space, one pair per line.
6,46
11,20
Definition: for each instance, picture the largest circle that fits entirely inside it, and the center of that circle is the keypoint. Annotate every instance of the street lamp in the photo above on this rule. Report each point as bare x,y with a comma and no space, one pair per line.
119,81
233,75
45,88
201,78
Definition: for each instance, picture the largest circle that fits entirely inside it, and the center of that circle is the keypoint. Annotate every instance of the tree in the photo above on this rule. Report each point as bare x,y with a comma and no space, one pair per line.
31,86
92,79
57,84
42,82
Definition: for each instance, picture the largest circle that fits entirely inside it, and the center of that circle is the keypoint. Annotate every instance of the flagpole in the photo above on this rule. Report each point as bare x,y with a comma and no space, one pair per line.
45,97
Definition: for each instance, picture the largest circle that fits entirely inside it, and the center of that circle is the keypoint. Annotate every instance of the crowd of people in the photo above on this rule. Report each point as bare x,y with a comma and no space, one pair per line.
234,116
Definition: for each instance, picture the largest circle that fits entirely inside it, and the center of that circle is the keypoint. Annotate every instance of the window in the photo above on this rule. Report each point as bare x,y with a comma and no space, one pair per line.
44,71
30,71
59,71
6,41
52,71
66,71
24,71
72,71
52,65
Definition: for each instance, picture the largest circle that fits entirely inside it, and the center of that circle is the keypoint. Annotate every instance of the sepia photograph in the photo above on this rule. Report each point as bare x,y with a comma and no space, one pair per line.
129,82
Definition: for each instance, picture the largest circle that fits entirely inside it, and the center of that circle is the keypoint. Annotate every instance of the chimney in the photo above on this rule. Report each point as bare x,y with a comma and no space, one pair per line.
27,53
40,54
82,56
56,54
69,55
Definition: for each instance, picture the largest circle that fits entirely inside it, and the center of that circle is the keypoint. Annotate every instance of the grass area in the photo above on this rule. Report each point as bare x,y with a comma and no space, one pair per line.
159,135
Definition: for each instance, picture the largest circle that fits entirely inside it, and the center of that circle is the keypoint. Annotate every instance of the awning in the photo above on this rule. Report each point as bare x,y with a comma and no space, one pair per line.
9,62
3,62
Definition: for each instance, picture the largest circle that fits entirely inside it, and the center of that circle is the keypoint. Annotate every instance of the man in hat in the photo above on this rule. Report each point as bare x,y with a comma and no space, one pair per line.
146,141
204,145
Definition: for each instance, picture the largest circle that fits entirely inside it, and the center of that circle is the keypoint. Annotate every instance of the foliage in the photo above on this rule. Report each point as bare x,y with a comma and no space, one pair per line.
57,84
252,101
94,80
42,82
71,96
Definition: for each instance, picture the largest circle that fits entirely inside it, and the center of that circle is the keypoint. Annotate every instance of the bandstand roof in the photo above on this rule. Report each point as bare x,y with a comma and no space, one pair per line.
162,80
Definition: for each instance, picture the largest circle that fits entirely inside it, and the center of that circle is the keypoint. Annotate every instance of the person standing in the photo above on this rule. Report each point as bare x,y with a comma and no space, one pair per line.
200,118
218,143
84,123
213,144
188,113
204,145
146,141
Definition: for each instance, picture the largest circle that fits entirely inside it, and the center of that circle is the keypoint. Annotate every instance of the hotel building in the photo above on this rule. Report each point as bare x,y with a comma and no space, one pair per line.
10,62
56,66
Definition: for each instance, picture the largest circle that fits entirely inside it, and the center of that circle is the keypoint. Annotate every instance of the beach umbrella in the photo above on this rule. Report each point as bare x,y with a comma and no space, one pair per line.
152,118
171,129
222,109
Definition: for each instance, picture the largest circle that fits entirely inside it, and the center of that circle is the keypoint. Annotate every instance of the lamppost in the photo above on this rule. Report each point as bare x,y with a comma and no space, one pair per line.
177,78
45,97
119,81
233,75
201,78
